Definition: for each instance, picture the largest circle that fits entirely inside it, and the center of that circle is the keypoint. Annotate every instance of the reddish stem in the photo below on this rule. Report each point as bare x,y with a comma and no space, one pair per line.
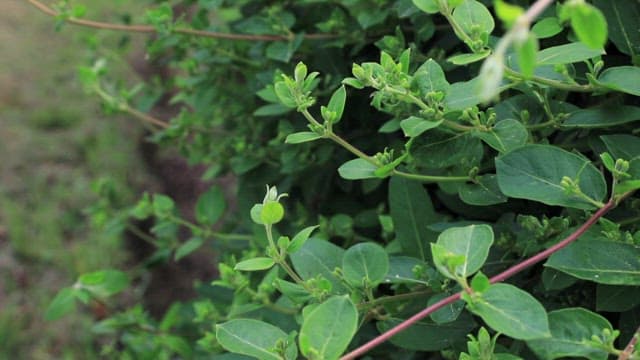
500,277
630,348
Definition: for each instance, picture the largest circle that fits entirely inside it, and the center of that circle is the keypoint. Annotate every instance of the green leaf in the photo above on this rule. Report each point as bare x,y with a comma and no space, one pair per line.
441,150
485,191
535,172
271,110
599,260
473,16
250,337
472,242
297,293
613,298
527,51
357,169
283,50
365,265
210,206
104,283
327,330
428,6
621,78
188,247
511,311
602,116
546,27
256,210
430,77
401,270
426,335
255,264
567,53
465,59
162,205
414,126
412,211
571,332
336,103
319,257
506,12
448,313
505,135
272,212
589,24
301,137
463,94
284,94
63,303
623,18
300,238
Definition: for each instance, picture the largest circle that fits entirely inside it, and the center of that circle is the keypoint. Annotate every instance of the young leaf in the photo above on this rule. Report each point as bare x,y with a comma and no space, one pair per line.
297,293
527,51
411,211
63,303
599,260
336,103
210,206
535,172
472,242
571,332
365,264
428,6
302,137
327,330
300,238
465,59
589,25
250,337
414,126
622,78
511,311
357,169
104,283
473,16
546,27
567,53
255,264
188,247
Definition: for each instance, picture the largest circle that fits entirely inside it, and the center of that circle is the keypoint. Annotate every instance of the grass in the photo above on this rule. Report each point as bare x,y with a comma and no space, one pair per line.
55,146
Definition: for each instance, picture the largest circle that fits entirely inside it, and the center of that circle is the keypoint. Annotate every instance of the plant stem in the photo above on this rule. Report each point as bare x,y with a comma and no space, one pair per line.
549,82
207,232
430,178
394,298
185,31
123,106
500,277
628,351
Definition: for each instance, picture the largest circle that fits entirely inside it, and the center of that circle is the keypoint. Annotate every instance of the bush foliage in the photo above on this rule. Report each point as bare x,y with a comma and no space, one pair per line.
429,176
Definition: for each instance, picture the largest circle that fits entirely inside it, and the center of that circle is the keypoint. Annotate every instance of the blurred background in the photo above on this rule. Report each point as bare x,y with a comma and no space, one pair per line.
57,150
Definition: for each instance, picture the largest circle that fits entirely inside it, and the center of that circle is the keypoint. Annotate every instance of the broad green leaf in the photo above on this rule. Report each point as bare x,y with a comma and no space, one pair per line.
297,293
599,260
210,206
357,169
283,50
188,247
414,126
613,298
567,53
448,313
300,238
272,212
428,6
527,51
255,264
589,24
465,59
162,205
336,103
602,116
426,335
571,332
623,18
319,257
411,211
505,135
506,12
546,27
623,146
535,172
430,77
472,242
463,94
553,279
511,311
63,303
485,191
104,282
440,150
250,337
622,78
401,270
301,137
472,16
271,110
327,330
365,264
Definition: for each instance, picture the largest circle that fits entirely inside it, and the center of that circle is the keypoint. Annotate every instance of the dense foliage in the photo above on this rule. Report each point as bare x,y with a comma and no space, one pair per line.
414,154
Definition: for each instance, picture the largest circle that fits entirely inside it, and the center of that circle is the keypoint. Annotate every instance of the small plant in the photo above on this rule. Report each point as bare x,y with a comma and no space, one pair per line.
478,143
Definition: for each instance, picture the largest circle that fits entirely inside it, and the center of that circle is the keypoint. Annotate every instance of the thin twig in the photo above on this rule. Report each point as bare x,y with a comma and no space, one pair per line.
630,348
186,31
500,277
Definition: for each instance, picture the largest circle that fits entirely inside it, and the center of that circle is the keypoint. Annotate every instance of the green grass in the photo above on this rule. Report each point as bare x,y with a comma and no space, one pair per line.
55,145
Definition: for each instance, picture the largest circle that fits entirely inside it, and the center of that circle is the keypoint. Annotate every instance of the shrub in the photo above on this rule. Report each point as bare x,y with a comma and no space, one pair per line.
428,153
